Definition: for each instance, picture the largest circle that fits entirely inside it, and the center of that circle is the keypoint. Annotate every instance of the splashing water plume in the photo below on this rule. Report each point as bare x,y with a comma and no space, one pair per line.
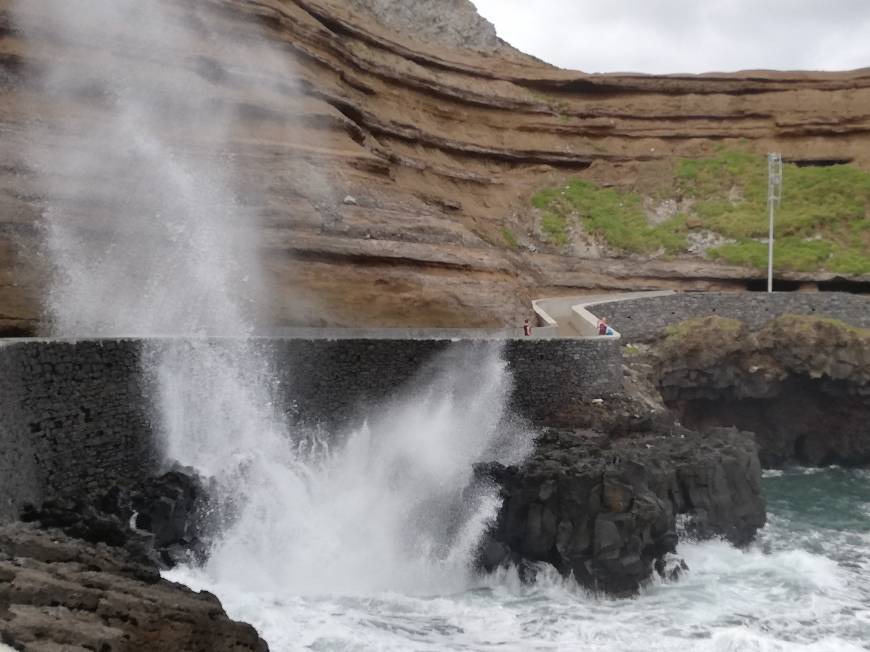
153,242
392,508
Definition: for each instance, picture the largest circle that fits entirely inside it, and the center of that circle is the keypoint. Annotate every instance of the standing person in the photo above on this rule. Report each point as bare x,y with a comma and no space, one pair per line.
602,326
527,328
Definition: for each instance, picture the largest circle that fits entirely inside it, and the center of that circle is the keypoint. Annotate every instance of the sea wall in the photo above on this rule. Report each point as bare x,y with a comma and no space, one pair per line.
72,419
640,319
74,415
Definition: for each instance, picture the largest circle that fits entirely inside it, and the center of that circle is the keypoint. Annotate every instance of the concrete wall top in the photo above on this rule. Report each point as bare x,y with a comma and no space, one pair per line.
311,333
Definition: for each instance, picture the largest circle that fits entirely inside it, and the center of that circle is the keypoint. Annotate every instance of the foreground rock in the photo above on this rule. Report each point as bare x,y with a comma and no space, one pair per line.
605,509
59,593
801,384
159,522
84,574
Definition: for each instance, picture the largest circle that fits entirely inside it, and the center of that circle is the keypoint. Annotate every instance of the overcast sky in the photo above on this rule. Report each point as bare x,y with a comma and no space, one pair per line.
660,36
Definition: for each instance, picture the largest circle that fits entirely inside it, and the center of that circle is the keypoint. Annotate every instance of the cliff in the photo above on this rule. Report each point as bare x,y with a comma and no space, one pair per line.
391,171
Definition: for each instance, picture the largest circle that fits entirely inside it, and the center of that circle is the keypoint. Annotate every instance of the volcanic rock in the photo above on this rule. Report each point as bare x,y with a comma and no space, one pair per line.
160,522
801,384
604,509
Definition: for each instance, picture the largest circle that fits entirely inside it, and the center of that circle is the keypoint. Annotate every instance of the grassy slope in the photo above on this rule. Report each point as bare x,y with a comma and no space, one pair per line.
823,222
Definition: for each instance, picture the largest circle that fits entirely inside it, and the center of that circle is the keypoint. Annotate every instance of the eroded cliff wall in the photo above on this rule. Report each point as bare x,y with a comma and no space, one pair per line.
383,168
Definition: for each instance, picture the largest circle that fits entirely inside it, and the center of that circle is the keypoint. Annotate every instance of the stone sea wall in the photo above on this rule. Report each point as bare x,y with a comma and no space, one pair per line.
72,419
639,319
74,415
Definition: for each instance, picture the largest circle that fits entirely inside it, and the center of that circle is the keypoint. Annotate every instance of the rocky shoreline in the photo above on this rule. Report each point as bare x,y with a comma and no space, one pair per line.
605,501
801,384
85,575
62,593
605,509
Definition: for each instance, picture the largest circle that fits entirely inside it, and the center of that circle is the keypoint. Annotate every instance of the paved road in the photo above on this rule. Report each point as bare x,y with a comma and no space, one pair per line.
571,317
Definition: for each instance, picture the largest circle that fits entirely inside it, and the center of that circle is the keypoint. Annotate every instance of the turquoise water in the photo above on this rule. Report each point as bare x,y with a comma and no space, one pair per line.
805,585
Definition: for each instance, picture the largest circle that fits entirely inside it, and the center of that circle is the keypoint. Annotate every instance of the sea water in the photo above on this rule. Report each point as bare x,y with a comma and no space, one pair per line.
804,585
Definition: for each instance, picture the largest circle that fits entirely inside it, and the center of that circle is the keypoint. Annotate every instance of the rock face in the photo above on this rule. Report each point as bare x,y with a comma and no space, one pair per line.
450,24
802,384
60,593
605,509
161,521
440,147
78,576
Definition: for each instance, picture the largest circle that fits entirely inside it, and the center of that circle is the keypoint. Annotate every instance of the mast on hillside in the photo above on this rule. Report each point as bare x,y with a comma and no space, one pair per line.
774,195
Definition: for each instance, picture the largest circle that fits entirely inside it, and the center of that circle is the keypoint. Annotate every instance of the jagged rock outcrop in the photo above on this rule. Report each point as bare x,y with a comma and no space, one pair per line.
61,593
802,384
605,509
439,147
445,24
84,574
161,521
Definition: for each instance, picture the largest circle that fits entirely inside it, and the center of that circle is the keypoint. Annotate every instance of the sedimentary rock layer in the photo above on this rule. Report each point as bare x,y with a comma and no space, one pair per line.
382,169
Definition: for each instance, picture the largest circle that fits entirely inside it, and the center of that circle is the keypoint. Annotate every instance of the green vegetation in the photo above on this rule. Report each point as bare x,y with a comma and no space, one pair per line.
509,238
710,324
806,325
704,337
614,215
555,227
822,223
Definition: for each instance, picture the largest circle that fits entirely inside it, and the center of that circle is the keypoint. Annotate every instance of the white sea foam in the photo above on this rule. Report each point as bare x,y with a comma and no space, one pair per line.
776,596
391,507
730,600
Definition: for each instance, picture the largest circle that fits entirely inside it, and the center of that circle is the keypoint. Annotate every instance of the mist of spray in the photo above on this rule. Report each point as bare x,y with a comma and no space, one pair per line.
146,238
142,230
391,506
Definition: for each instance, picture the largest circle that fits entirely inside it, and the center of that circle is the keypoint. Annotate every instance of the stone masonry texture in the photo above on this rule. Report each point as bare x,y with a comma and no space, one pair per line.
641,319
75,416
73,420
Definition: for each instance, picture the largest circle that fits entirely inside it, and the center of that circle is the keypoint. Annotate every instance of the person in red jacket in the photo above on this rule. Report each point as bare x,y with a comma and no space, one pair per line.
602,326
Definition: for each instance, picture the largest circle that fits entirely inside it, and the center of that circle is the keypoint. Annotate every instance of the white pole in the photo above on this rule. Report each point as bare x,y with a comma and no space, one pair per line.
770,204
774,193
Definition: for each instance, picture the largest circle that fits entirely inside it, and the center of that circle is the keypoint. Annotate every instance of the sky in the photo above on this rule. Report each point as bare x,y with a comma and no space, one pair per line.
670,36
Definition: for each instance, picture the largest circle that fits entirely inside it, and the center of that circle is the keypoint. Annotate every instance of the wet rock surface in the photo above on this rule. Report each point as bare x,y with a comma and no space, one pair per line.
605,508
60,593
159,521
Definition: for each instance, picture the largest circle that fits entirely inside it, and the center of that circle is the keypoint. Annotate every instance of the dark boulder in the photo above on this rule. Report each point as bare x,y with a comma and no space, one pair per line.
604,508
